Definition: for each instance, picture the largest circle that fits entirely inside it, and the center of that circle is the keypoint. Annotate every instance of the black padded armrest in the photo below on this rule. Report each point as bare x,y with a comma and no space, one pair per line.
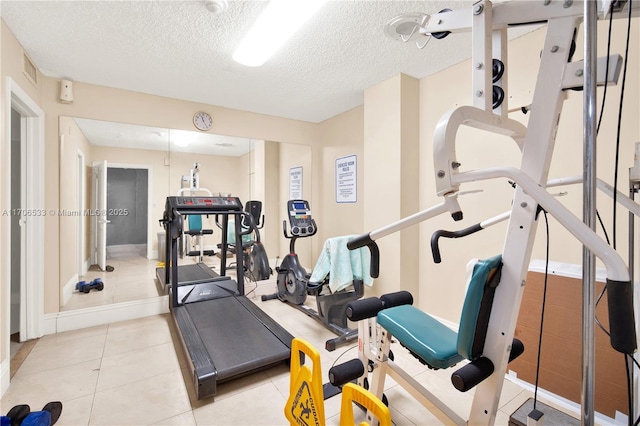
199,232
365,240
621,316
364,308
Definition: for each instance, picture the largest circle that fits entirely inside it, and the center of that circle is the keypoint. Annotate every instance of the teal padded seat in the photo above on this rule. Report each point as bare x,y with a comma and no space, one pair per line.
435,343
423,335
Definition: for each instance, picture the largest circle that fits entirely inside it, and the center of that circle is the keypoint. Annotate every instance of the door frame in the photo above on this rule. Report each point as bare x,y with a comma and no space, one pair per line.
150,203
99,222
82,226
32,281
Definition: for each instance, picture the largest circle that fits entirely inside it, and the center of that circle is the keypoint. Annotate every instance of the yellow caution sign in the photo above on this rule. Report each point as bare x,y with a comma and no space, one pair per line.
305,406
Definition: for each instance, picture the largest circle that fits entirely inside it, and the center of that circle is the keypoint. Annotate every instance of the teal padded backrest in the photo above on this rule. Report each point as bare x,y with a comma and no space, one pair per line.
477,307
195,222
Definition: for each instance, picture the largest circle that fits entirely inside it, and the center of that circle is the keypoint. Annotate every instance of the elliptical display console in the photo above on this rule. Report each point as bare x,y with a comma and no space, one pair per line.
302,224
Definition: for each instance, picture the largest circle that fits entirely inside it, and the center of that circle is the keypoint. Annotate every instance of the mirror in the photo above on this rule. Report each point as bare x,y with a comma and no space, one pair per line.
143,166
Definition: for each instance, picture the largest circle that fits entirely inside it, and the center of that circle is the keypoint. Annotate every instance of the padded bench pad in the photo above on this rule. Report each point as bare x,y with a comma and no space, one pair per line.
425,336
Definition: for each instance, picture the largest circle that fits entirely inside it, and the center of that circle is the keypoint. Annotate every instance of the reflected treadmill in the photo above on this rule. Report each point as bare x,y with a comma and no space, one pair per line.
223,334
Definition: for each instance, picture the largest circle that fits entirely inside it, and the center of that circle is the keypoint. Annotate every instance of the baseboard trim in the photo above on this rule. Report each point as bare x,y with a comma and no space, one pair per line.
68,288
76,319
569,270
567,405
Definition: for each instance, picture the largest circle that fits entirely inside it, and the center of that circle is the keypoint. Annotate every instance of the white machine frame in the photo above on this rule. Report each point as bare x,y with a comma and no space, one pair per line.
196,242
488,24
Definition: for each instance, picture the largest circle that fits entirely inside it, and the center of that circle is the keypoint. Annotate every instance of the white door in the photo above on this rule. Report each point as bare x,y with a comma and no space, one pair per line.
100,212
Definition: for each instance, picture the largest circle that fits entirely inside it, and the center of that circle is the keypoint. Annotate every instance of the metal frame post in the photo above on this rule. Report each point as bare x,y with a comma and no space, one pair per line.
587,394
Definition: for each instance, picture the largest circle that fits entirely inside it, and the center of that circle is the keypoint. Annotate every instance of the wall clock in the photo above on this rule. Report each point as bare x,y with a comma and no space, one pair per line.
202,121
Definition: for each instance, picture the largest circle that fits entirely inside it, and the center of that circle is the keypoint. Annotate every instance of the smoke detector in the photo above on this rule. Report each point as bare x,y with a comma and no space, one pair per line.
216,6
405,26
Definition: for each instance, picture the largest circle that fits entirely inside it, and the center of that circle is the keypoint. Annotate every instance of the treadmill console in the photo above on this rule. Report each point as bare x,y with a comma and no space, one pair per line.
203,205
302,224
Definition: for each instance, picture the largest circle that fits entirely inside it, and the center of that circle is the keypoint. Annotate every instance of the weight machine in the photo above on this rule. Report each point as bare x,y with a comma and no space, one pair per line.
488,24
193,241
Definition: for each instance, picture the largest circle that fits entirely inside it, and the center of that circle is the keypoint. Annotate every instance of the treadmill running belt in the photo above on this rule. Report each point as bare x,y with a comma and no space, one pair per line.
236,340
195,272
190,274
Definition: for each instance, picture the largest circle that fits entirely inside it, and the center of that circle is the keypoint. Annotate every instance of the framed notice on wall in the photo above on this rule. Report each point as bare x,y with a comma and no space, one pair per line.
347,179
295,183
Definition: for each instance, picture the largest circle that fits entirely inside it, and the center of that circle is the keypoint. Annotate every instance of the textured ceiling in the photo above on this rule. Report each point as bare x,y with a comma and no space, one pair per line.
179,49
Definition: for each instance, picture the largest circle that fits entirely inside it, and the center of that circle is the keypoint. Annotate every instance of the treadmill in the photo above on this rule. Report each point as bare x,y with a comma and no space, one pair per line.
188,274
223,334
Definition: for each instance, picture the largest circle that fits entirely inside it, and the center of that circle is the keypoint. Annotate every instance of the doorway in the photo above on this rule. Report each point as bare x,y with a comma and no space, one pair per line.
127,201
82,207
23,300
17,254
121,197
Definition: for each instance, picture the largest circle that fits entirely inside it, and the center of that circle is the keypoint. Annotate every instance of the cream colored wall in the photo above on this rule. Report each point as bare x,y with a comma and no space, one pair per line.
391,148
219,174
265,187
225,175
291,155
341,136
242,177
443,291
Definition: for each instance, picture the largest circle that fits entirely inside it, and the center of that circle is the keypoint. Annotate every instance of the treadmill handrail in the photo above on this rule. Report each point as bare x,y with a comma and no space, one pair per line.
173,217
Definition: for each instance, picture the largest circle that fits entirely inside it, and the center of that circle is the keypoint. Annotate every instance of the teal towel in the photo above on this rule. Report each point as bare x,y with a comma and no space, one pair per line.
342,264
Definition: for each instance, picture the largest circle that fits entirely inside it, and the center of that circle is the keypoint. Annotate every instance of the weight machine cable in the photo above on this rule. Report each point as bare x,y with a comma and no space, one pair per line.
544,303
604,100
604,230
618,131
628,365
604,93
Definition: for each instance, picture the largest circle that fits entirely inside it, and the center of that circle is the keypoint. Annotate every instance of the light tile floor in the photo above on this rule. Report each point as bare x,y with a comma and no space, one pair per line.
133,373
132,279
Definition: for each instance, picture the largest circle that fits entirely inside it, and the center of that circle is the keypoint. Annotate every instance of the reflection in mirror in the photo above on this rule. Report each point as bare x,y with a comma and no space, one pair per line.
114,179
223,162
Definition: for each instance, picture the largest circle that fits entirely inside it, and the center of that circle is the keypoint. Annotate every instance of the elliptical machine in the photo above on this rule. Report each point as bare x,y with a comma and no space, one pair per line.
254,257
293,286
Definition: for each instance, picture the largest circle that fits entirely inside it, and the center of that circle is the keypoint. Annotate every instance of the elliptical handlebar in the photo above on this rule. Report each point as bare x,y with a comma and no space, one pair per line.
299,234
294,236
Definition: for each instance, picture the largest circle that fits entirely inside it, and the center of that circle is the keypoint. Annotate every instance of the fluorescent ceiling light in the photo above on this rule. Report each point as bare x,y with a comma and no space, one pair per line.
279,21
181,142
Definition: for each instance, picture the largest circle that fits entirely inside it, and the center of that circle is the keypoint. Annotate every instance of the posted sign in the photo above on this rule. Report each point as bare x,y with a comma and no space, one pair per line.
347,179
295,183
